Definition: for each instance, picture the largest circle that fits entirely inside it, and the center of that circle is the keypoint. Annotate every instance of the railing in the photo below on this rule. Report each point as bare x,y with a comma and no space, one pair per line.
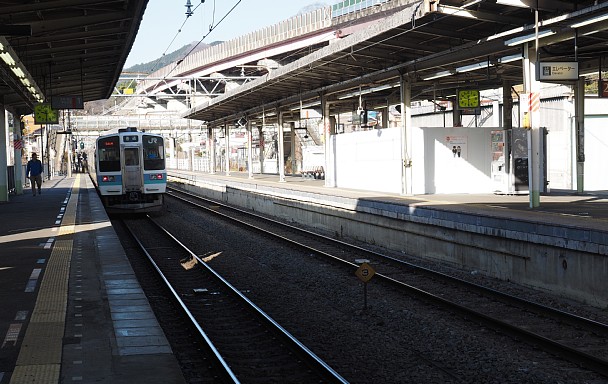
142,121
297,26
350,6
288,29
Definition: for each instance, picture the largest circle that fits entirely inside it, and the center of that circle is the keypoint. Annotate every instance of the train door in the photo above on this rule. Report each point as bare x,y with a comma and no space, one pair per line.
133,182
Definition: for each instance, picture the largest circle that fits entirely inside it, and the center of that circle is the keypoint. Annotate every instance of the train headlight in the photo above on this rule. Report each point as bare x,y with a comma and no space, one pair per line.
157,176
107,179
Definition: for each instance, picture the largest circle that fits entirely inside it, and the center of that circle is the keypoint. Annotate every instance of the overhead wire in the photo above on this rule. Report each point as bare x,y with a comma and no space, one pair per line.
188,14
212,27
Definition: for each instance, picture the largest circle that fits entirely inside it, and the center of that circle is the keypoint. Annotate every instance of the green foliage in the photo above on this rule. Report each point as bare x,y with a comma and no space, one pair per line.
592,83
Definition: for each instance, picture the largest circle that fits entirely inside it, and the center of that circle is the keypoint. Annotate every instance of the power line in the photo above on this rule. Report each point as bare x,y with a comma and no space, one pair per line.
189,12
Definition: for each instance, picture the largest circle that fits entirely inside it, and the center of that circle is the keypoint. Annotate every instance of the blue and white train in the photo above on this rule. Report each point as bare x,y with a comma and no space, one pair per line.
130,171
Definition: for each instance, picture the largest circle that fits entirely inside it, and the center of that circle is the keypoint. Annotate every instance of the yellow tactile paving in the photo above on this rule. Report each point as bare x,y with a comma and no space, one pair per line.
39,358
69,217
51,304
42,344
48,373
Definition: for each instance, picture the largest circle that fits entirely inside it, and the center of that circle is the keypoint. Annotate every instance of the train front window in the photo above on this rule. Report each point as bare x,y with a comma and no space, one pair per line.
131,156
154,152
108,154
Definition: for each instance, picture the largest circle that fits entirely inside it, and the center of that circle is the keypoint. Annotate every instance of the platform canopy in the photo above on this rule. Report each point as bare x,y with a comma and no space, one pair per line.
64,48
439,46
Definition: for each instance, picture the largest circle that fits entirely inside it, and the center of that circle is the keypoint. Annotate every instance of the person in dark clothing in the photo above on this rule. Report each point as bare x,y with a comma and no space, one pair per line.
34,173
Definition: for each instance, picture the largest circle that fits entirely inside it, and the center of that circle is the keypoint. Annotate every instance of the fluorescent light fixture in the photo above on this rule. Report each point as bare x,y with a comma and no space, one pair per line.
18,72
588,72
439,75
473,67
513,3
593,20
366,91
509,59
11,59
7,58
305,106
527,38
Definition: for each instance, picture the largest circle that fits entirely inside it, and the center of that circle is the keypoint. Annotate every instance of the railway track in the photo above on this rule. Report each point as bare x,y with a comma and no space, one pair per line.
575,338
242,343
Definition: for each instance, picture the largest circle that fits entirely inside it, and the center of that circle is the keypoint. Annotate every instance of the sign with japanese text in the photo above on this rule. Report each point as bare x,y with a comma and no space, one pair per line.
67,102
558,70
603,88
44,114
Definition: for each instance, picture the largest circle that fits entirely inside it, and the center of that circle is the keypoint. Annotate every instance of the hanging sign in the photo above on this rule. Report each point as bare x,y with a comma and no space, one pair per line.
558,70
45,114
603,88
67,102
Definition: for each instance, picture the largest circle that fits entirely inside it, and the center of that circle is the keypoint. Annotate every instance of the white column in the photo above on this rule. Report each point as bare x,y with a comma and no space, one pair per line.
262,144
3,153
17,156
227,149
532,89
281,145
293,148
328,168
406,136
579,112
249,149
211,139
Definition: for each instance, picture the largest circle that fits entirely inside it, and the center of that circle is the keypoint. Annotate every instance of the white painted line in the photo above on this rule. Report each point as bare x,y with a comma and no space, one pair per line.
21,315
12,334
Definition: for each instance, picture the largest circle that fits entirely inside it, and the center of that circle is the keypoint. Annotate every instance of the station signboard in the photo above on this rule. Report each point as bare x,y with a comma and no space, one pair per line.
67,102
602,86
558,71
45,114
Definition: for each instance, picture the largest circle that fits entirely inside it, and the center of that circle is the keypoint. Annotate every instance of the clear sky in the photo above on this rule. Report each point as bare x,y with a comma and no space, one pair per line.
159,31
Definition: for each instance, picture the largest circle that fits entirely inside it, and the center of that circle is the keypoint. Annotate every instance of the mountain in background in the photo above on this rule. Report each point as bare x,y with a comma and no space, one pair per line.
169,58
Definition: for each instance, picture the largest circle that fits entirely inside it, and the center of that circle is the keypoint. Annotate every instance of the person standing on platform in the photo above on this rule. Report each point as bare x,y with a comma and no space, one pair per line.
34,173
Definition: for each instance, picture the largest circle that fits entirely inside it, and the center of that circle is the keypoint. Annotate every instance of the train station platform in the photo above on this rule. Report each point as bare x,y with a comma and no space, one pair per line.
72,309
560,246
586,210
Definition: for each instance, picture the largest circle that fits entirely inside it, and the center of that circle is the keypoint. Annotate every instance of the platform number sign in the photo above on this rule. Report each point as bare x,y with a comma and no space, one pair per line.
603,88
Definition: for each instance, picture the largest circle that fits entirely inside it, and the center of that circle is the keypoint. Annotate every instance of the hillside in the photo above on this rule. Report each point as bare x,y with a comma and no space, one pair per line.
167,59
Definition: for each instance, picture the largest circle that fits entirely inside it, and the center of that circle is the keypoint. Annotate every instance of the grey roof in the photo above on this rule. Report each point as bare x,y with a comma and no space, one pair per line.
419,40
76,47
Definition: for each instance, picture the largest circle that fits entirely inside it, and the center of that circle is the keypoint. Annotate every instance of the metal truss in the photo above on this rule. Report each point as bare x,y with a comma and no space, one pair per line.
185,87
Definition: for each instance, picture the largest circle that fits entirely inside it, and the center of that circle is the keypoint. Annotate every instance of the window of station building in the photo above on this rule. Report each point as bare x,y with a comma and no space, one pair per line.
154,152
108,154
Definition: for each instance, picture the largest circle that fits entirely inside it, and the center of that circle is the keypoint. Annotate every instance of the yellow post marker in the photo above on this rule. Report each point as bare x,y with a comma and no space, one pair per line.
365,272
